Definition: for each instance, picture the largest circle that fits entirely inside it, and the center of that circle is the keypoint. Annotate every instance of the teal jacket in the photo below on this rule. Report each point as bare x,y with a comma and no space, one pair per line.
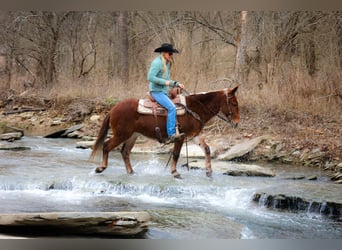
157,78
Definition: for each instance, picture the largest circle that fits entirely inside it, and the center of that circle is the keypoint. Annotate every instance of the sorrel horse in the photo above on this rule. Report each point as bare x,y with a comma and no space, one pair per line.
126,124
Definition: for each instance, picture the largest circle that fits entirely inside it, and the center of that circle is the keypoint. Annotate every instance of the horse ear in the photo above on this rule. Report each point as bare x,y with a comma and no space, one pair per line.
233,90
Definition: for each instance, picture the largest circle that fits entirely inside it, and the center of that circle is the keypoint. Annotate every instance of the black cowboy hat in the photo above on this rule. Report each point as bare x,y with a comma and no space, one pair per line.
166,47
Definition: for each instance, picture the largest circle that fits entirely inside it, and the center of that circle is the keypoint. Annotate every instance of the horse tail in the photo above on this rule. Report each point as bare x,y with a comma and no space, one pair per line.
98,146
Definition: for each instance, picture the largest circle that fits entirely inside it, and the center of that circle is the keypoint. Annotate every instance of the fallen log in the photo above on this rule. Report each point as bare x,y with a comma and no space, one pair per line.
23,111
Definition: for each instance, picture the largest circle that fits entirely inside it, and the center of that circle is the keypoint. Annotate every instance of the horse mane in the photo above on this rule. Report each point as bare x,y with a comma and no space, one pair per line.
207,103
205,96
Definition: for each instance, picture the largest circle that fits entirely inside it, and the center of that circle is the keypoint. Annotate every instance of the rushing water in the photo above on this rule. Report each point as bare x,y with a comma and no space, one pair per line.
56,176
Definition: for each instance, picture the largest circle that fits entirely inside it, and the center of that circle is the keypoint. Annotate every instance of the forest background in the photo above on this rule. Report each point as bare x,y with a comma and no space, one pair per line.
288,61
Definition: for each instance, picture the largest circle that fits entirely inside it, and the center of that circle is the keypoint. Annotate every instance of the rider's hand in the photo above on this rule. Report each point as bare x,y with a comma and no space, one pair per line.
180,85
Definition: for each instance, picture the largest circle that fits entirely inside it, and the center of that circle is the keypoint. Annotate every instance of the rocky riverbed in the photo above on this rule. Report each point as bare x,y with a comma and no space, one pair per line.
275,137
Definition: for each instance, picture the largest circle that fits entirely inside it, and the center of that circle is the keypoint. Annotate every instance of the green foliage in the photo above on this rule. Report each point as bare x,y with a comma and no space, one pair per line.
2,126
111,101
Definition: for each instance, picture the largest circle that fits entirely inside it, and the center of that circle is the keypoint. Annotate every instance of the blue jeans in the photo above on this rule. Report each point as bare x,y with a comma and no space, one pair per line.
165,101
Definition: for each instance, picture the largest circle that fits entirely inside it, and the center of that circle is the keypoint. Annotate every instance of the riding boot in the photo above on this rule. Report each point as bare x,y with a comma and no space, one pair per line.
175,137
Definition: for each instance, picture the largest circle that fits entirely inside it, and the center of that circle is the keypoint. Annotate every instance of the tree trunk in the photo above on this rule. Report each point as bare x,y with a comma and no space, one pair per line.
241,63
310,57
46,68
123,47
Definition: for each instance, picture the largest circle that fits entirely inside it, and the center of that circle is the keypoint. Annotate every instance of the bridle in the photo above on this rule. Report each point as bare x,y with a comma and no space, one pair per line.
230,114
227,119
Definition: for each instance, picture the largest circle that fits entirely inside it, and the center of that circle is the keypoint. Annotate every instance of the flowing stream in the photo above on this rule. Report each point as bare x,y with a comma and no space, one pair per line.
54,175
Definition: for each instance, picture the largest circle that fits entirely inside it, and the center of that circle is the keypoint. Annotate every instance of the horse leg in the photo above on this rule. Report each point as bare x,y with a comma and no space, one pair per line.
126,151
206,149
175,156
107,147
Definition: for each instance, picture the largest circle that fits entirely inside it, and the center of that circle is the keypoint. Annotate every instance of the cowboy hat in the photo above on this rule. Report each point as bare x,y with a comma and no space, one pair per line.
166,47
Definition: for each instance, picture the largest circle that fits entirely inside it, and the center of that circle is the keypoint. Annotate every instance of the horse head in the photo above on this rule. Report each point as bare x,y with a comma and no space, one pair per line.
230,106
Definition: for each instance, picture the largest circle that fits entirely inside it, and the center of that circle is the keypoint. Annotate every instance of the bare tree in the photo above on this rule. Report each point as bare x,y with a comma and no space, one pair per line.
122,28
241,64
86,64
338,30
47,26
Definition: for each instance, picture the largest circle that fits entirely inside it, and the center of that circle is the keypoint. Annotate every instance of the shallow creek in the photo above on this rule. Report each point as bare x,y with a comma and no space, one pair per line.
54,175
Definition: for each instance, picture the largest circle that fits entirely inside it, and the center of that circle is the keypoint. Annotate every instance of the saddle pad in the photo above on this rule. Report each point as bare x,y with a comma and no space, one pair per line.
145,106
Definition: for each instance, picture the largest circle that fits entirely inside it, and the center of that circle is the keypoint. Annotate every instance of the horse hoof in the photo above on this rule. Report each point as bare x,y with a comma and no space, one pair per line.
99,169
209,174
177,176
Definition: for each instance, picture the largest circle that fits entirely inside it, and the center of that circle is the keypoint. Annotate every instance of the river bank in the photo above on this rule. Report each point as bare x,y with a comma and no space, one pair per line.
291,137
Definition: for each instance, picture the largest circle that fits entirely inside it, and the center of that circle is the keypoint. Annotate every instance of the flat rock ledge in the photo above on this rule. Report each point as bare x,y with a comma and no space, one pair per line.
11,136
99,224
242,149
332,210
234,169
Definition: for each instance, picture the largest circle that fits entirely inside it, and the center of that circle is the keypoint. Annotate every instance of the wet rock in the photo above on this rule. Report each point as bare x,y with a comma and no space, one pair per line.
194,224
242,149
312,178
300,177
84,144
63,133
76,223
76,134
11,136
13,148
248,170
330,209
235,169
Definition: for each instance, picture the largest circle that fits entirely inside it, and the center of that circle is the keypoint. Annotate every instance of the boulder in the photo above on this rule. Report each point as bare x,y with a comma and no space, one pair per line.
63,133
241,149
109,224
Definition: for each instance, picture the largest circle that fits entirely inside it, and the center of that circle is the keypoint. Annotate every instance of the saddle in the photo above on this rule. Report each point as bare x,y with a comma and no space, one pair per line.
149,106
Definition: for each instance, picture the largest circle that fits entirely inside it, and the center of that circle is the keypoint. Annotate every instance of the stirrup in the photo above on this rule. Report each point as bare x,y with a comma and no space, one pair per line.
175,138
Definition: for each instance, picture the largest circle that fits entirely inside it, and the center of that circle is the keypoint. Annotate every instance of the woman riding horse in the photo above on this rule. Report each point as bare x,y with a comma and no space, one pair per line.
159,86
127,124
